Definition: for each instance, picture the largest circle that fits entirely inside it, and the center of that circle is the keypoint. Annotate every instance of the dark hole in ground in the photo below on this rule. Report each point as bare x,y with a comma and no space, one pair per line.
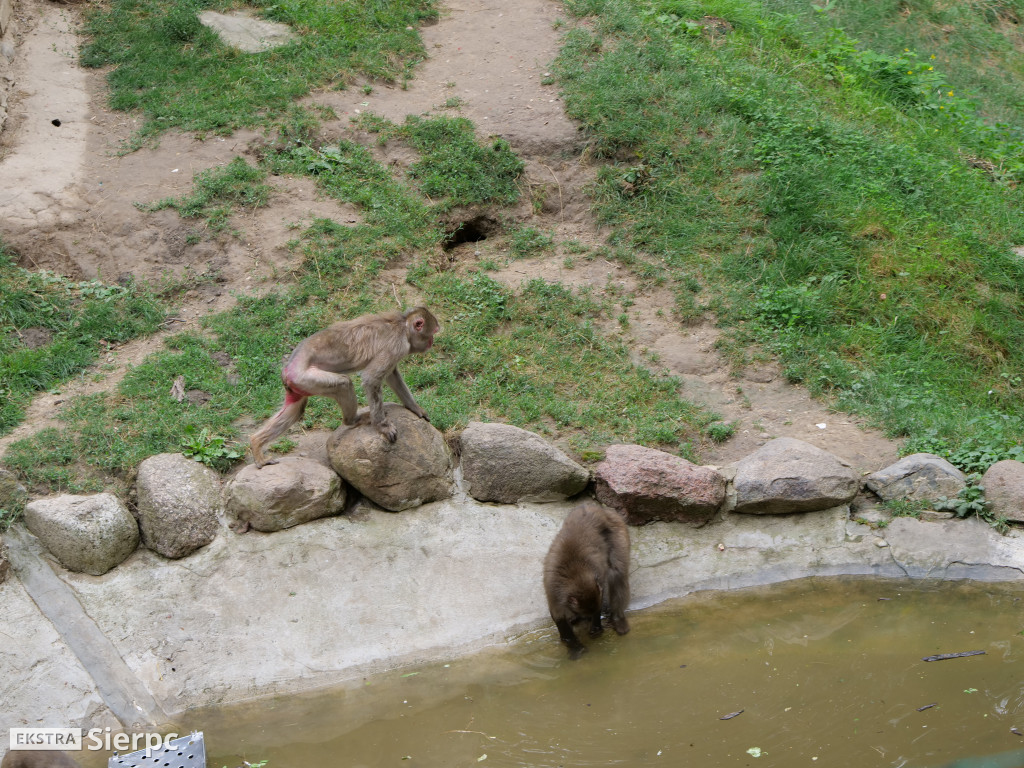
470,231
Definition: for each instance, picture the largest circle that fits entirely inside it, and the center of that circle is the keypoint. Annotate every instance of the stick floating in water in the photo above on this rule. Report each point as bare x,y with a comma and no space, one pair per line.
731,715
944,656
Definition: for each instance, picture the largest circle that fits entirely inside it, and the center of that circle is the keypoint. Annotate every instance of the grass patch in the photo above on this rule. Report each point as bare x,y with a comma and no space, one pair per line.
975,45
106,436
906,507
506,359
216,192
529,241
845,210
178,74
454,169
720,431
51,328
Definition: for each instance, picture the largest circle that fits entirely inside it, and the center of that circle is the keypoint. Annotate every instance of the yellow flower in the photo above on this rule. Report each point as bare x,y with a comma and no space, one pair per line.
950,93
930,68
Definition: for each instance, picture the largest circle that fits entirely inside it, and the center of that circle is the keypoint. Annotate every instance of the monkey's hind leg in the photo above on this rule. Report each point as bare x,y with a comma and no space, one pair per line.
344,394
618,600
292,410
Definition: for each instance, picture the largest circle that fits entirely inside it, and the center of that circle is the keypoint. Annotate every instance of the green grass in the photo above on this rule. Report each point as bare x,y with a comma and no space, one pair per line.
836,195
841,208
506,359
216,193
454,169
529,241
975,44
178,74
105,436
76,320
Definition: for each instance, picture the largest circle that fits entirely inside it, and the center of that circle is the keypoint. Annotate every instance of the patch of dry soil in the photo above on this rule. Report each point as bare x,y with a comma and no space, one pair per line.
68,203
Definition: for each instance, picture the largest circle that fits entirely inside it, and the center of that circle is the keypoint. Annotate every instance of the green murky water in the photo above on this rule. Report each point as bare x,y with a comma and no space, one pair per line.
823,672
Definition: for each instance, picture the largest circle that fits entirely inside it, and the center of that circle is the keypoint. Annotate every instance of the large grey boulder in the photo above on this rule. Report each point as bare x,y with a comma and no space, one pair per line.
413,470
645,485
507,464
179,502
278,496
788,475
88,534
1004,489
920,477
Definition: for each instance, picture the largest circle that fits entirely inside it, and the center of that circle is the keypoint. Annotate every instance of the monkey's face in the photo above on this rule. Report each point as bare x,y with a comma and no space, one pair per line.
422,330
585,603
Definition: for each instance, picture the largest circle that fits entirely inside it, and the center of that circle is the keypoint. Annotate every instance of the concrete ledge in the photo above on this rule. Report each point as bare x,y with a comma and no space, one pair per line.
338,598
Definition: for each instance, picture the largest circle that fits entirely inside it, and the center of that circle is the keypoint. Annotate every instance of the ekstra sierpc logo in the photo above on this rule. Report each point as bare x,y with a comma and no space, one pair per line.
72,739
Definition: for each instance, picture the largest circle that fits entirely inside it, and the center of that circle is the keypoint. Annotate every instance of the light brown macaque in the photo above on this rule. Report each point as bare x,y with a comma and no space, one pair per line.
322,363
42,758
586,571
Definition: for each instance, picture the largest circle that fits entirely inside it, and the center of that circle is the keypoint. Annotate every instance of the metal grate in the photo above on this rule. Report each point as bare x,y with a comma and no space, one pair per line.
183,752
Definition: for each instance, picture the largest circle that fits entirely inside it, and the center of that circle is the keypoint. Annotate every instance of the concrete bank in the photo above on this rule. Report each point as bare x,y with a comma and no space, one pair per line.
259,614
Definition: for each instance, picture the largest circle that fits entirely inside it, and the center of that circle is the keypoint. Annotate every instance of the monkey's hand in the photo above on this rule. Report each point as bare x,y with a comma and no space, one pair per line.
576,652
388,430
420,412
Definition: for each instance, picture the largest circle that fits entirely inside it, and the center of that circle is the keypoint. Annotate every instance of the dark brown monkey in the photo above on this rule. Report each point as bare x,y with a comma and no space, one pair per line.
587,570
321,364
43,758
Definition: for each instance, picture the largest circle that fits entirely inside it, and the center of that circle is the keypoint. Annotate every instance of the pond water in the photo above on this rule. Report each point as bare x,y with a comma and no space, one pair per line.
822,672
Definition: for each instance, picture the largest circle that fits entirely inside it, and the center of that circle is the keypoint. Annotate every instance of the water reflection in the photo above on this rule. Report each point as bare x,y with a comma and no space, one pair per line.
826,673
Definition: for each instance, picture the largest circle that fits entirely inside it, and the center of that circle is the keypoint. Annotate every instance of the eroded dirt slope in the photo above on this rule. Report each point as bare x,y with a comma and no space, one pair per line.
68,203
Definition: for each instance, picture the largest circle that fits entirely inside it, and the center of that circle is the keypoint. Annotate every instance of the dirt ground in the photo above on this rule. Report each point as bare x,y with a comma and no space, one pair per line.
68,204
